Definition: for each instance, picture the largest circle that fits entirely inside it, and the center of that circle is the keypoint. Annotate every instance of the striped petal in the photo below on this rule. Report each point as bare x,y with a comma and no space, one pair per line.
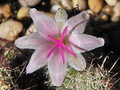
61,17
32,41
44,24
82,42
38,59
57,68
77,23
77,63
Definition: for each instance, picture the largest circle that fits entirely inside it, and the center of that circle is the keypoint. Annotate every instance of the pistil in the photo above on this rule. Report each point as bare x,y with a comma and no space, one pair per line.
59,43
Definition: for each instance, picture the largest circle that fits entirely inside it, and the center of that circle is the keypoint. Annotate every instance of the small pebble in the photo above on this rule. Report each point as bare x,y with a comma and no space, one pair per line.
111,2
23,12
81,4
1,10
104,17
90,12
67,4
31,29
7,11
50,14
29,2
108,9
10,29
52,2
116,9
95,5
55,7
1,81
115,18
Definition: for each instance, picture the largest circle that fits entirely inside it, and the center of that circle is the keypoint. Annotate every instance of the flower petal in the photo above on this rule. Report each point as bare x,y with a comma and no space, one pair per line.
32,41
77,23
85,42
44,24
61,17
57,68
77,63
38,59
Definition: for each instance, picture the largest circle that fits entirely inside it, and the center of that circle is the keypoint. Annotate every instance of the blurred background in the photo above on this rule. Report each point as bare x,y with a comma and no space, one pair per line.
102,72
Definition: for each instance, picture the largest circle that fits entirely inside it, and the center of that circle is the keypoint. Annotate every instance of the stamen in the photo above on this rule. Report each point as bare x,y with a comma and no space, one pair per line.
51,38
61,52
79,47
68,50
64,32
60,44
51,51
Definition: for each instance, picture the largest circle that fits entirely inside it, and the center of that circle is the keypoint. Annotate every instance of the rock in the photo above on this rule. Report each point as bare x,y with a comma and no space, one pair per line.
10,29
111,2
7,11
29,2
90,12
55,7
115,18
52,2
67,4
23,12
95,5
108,9
104,17
50,14
81,4
30,30
1,10
116,10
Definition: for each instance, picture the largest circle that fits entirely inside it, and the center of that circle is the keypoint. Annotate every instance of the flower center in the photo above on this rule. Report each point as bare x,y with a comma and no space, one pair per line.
60,43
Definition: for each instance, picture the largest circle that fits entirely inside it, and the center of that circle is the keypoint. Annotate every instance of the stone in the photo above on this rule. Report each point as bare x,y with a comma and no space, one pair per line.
67,4
115,18
81,4
95,5
10,29
7,11
55,7
90,12
116,10
29,2
108,9
52,2
23,12
104,17
50,14
31,29
1,10
111,2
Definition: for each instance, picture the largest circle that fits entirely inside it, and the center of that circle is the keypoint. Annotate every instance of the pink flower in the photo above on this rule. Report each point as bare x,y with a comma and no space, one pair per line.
58,42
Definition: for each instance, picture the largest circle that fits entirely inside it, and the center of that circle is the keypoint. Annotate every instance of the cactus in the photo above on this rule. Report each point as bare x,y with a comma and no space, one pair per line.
4,78
93,78
7,55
